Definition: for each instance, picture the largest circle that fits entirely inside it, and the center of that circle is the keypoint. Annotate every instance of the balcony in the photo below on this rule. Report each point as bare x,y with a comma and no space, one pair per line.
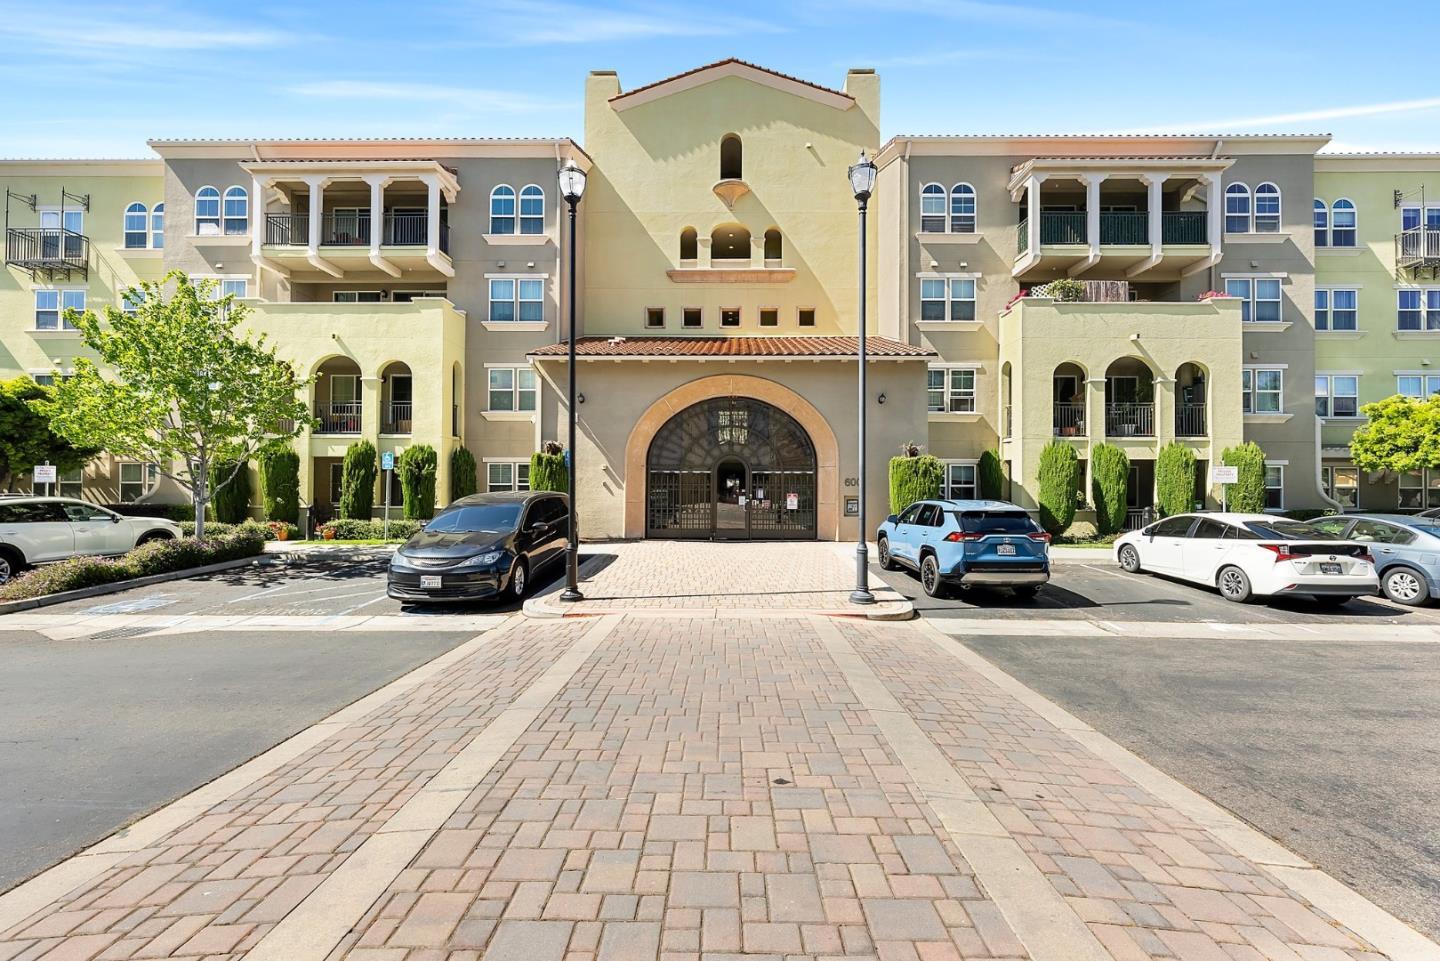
397,419
1189,420
398,229
1069,420
338,417
1131,419
1417,247
47,250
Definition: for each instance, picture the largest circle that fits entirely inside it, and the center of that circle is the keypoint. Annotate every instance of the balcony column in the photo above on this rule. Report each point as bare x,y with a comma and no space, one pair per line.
370,397
1095,409
1092,184
1032,212
432,215
257,215
1164,391
1214,215
378,183
1156,201
317,207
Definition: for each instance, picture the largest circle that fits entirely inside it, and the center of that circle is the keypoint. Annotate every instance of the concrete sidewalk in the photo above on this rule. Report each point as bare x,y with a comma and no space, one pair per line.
697,787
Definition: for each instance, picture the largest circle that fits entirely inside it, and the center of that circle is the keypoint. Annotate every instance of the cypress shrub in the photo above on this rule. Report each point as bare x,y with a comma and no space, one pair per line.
1059,478
416,466
1247,494
1109,477
357,481
1175,479
463,481
280,484
548,472
231,501
914,479
991,474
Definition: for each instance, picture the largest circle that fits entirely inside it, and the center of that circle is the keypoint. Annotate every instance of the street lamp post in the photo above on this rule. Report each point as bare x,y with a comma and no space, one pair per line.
862,182
572,188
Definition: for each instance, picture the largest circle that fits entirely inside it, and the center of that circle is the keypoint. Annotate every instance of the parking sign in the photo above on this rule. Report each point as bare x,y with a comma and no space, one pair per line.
387,460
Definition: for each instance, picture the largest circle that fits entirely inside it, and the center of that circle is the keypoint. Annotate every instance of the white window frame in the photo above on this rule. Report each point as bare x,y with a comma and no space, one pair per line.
530,224
1429,383
1426,311
207,224
1251,300
1238,191
516,302
500,194
157,226
1424,496
135,209
353,296
235,224
959,222
519,393
939,201
1250,391
960,294
132,307
61,295
1266,223
237,284
1325,395
512,469
1337,232
949,485
70,483
1327,314
1280,486
1322,223
145,482
957,389
1328,478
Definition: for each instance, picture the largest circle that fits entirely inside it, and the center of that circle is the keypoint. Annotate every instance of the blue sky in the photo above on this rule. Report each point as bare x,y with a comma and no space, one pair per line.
96,79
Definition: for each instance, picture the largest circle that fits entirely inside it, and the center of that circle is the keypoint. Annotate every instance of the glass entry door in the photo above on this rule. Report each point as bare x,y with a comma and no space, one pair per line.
732,516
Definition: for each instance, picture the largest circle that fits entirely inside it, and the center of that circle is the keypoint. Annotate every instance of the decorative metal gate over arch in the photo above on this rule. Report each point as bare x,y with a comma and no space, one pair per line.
761,446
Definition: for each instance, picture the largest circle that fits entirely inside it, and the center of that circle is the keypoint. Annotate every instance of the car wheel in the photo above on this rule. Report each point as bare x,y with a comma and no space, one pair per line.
930,576
1404,586
887,563
1026,592
1129,559
11,564
519,580
153,536
1233,584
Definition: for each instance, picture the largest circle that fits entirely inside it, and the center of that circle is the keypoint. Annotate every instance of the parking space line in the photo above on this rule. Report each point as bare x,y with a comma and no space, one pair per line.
382,596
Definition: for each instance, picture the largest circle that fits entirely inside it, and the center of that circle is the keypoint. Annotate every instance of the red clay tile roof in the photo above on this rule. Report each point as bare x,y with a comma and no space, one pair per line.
721,63
732,347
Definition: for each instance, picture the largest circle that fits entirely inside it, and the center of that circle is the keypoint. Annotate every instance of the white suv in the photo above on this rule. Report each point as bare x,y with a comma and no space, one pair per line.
37,530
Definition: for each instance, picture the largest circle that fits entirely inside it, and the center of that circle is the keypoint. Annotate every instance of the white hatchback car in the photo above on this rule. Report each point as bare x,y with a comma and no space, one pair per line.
39,530
1245,555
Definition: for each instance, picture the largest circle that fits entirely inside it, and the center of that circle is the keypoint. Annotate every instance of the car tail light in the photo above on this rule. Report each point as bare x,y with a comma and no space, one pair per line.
955,536
1365,556
1040,536
1281,552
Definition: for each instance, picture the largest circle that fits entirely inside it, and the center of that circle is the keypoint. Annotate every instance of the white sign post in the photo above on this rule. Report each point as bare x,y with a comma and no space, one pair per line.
1224,476
387,465
45,474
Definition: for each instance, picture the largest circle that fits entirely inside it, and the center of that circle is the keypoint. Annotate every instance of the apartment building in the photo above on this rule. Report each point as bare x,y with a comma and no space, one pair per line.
424,283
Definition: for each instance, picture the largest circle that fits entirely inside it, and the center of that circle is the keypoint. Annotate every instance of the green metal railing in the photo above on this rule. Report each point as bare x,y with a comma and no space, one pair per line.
1125,228
1022,236
1183,227
1062,227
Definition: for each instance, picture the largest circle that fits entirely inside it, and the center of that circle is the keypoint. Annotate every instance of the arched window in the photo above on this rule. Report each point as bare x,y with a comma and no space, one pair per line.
502,210
1267,209
157,226
773,248
962,209
1342,223
237,211
532,210
730,242
689,245
731,157
207,212
1237,209
135,235
932,209
1322,223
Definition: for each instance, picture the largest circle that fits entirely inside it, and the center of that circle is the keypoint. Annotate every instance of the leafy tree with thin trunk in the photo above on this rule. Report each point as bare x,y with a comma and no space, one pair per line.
178,386
463,481
357,481
1059,477
991,473
1175,479
1109,478
416,467
26,437
1247,494
1402,434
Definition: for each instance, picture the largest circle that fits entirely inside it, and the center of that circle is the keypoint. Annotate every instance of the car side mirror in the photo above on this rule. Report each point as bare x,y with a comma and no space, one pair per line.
114,518
892,518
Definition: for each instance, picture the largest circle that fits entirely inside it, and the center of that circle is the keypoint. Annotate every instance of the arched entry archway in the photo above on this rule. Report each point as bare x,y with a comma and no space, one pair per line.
731,467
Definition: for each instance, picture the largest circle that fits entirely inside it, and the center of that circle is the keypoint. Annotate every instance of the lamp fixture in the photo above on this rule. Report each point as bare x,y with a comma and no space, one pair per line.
862,177
572,182
880,399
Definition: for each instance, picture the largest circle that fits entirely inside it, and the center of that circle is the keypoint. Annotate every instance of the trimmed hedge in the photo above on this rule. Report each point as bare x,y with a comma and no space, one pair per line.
231,503
266,529
1174,479
914,479
280,485
416,466
991,474
1247,495
1109,478
463,480
157,557
354,529
548,472
172,512
1059,478
357,481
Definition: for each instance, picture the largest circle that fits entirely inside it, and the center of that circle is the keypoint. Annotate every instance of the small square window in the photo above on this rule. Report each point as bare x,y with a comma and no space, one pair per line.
805,317
654,317
769,317
692,318
729,316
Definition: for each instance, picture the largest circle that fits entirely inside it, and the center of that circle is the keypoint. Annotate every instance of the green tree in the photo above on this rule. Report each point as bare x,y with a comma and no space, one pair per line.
232,501
1175,479
357,481
280,484
1109,479
181,388
26,437
1059,478
416,467
1247,494
991,474
914,478
1402,434
463,481
548,472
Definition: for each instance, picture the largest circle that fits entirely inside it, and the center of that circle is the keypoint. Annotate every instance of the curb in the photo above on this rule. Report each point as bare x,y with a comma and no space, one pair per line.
100,590
1082,555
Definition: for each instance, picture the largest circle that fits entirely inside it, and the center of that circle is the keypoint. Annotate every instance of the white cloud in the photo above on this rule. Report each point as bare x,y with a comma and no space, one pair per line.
1303,116
533,22
468,98
118,33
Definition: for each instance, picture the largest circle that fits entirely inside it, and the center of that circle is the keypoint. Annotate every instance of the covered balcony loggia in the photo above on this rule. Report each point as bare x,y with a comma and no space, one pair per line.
338,404
1129,399
1117,218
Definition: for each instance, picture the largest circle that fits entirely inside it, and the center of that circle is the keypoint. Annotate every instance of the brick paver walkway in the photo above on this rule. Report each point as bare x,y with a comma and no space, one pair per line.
646,787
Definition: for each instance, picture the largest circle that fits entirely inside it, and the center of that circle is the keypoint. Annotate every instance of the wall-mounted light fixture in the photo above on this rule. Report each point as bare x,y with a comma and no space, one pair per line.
880,399
579,398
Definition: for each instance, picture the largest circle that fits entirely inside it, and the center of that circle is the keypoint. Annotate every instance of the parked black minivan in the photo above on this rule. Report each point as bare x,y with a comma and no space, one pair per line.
481,547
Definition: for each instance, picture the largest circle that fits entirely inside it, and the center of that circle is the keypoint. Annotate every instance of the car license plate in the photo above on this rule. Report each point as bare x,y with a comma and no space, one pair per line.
1330,569
1005,549
429,582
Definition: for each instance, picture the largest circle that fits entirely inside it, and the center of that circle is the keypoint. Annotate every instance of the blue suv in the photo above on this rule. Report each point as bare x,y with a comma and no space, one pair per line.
966,543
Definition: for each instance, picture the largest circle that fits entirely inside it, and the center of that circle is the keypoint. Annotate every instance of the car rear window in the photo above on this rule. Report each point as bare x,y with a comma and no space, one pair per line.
1281,530
493,518
996,522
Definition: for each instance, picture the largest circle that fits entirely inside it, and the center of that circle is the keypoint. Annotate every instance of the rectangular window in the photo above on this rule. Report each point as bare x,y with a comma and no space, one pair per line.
1343,485
1260,297
962,299
692,318
932,209
654,317
134,478
1262,388
131,300
1342,225
769,316
1274,487
805,317
136,227
932,300
1419,490
1418,309
1344,309
72,483
235,288
356,296
960,482
1337,395
507,476
1322,309
532,211
512,389
1417,385
517,299
51,305
951,390
947,299
729,316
